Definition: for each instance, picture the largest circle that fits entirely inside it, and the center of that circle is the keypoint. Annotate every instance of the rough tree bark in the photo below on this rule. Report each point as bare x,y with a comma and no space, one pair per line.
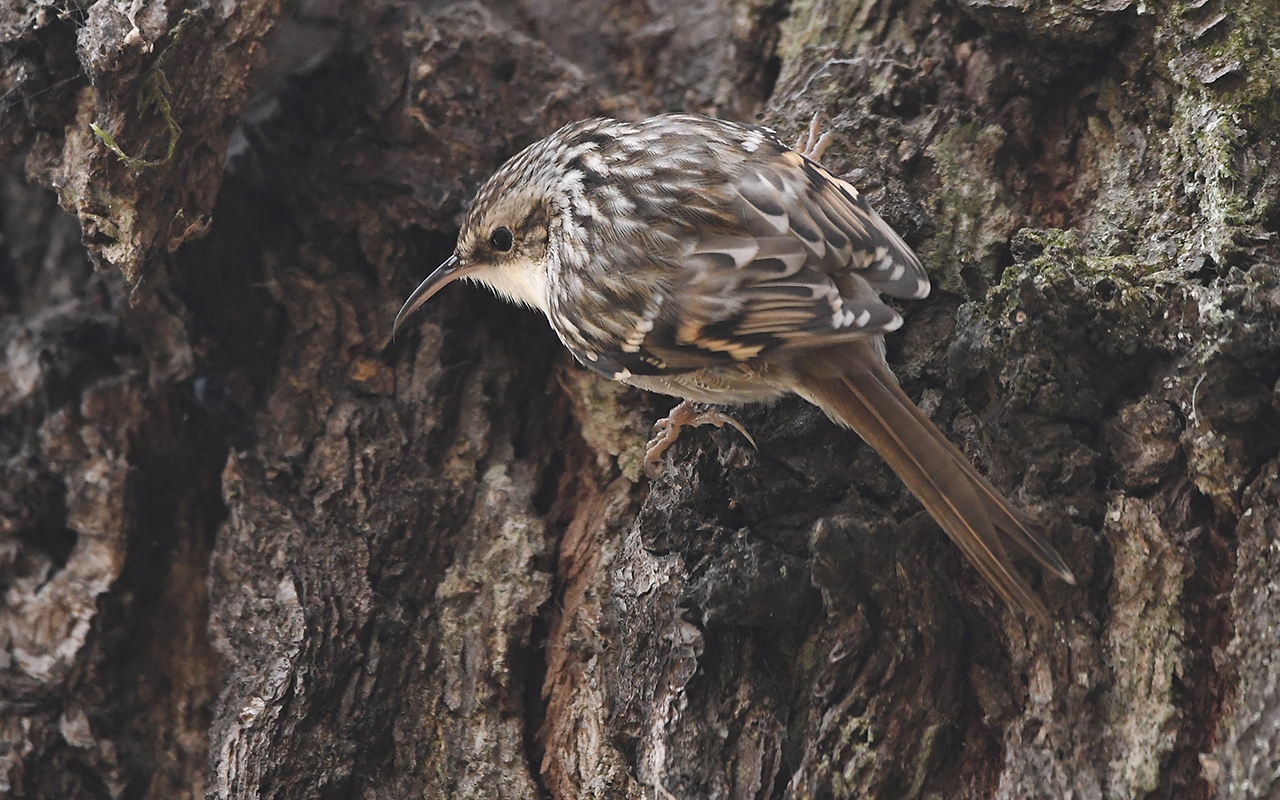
250,547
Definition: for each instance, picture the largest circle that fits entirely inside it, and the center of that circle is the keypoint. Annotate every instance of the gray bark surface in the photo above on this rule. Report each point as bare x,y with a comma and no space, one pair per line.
251,547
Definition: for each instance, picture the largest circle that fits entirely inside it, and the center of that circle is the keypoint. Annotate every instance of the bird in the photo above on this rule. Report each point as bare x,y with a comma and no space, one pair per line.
707,260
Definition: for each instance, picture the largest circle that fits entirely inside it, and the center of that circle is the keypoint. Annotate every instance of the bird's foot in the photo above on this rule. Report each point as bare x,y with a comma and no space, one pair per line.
667,430
815,142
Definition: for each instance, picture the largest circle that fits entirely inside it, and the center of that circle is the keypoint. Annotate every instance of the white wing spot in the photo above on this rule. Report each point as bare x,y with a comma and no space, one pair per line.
780,223
841,318
742,254
585,208
635,337
632,173
619,205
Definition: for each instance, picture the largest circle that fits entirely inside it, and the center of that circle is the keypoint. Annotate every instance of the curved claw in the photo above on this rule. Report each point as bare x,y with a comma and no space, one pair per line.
813,144
668,430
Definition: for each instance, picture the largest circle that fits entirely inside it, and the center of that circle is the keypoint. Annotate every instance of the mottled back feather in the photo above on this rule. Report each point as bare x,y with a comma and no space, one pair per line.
740,247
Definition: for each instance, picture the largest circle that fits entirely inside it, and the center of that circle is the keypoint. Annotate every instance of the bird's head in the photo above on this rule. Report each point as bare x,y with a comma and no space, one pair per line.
504,240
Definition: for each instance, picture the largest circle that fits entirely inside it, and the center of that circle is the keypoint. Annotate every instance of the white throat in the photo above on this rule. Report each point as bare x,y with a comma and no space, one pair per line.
523,282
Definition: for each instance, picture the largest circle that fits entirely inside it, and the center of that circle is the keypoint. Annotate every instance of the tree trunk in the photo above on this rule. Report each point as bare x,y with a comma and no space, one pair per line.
253,547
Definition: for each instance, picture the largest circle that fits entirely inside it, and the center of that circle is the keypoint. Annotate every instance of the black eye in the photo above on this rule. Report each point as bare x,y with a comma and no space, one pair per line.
501,239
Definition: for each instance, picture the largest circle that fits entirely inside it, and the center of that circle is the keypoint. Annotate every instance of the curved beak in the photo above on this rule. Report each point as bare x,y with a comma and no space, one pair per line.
443,274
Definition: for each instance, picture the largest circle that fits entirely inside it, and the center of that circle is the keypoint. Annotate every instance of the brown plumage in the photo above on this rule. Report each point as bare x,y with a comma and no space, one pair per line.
707,260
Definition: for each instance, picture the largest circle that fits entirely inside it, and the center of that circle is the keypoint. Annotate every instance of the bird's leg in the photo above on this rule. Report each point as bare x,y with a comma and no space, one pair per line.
668,430
813,144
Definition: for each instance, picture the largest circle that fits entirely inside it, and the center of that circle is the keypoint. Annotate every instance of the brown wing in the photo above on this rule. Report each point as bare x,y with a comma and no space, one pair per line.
758,248
812,263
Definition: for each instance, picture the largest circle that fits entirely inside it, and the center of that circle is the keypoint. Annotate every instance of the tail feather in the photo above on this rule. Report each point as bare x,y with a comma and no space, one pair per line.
864,396
1011,522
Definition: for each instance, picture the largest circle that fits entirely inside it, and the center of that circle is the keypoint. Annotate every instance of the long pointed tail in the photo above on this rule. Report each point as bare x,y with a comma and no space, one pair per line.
861,393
